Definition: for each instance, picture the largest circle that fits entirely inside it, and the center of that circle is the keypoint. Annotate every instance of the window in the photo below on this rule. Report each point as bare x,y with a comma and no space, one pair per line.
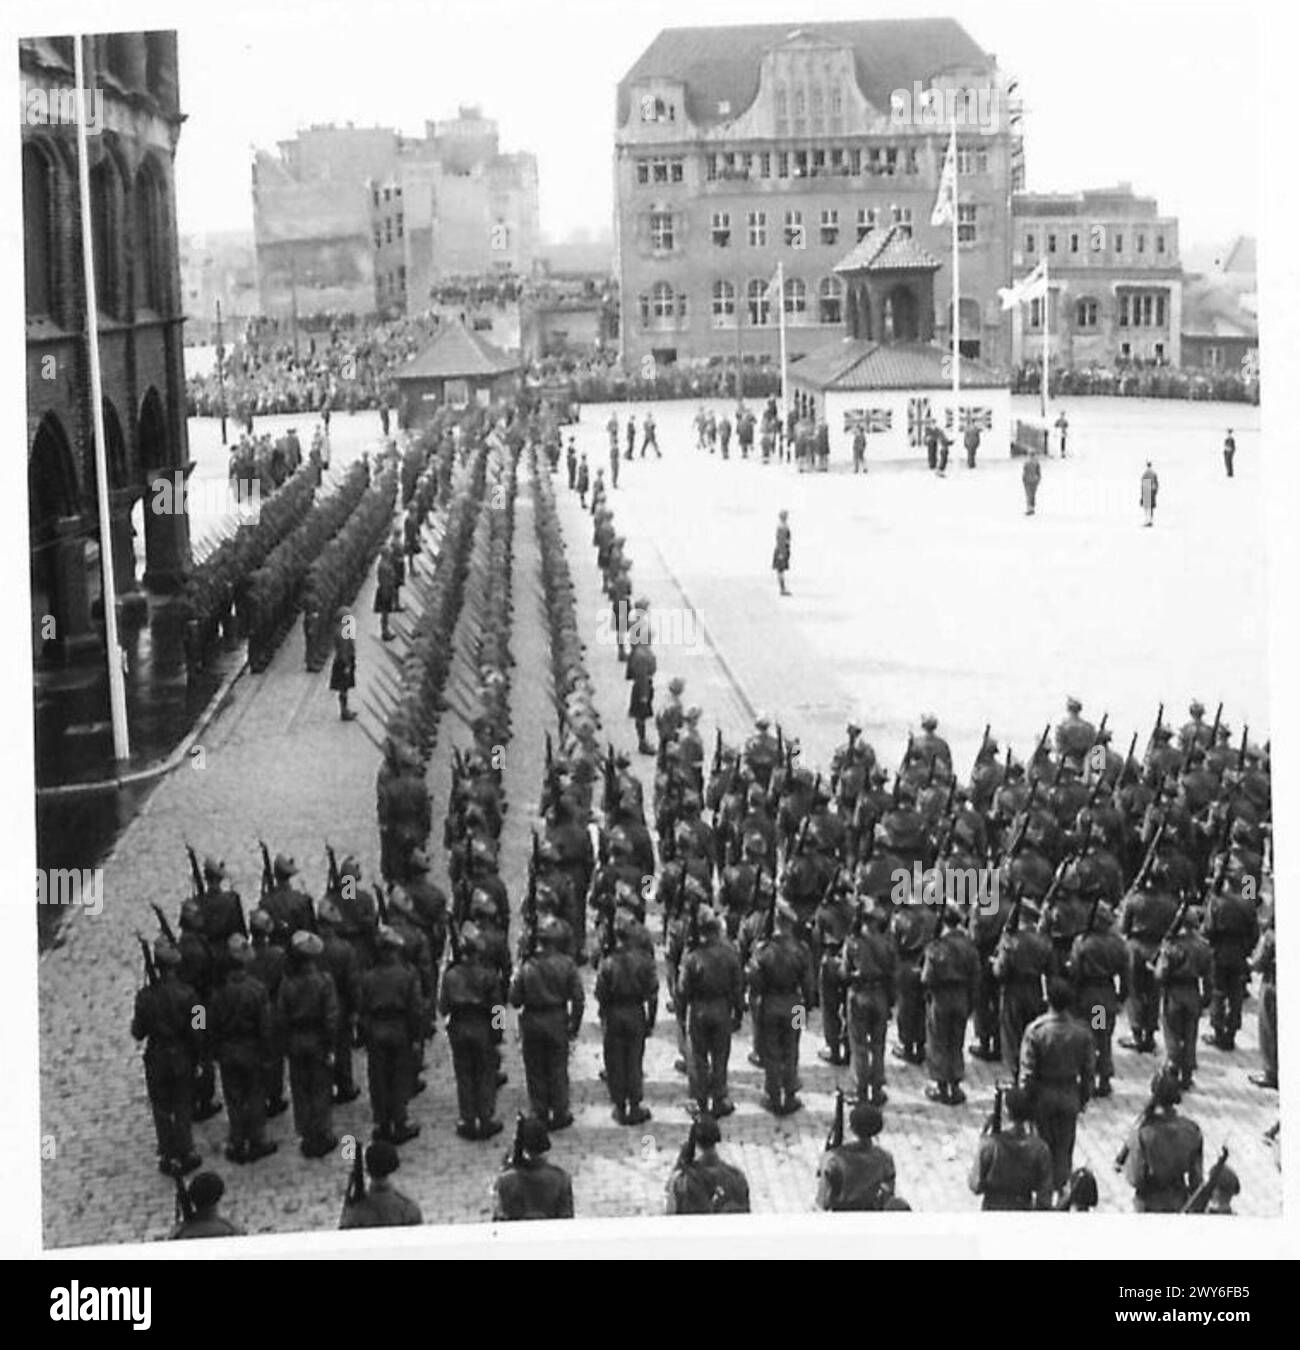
966,232
661,231
379,237
765,164
1051,242
1160,243
855,163
1160,351
758,229
642,173
760,307
866,221
1123,311
1031,243
1160,311
724,304
659,170
1074,241
662,304
911,161
401,276
1036,313
106,234
1085,314
721,229
375,196
819,163
675,170
1214,357
837,161
971,159
837,101
782,164
794,236
1141,243
388,230
798,103
399,224
388,193
796,299
903,219
830,301
830,232
800,169
1126,350
1119,242
150,235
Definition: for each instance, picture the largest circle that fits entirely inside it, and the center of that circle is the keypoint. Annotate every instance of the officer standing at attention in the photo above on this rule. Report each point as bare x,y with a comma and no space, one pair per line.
1013,1168
1229,451
529,1187
1031,475
857,1175
383,1205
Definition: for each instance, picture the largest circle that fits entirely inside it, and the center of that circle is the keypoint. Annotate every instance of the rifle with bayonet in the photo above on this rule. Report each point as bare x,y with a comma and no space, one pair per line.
334,886
356,1187
1199,1200
1155,730
164,926
1144,1118
184,1205
1149,858
717,751
1038,750
381,903
150,969
268,872
1241,754
993,1125
196,872
835,1139
611,780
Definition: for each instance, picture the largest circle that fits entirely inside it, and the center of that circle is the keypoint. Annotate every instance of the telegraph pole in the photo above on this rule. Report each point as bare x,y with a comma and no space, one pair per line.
221,373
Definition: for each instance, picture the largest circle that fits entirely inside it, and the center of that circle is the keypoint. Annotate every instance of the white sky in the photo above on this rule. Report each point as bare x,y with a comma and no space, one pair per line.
1160,94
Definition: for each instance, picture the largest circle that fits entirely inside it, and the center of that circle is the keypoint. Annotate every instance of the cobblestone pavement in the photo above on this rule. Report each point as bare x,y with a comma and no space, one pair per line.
277,763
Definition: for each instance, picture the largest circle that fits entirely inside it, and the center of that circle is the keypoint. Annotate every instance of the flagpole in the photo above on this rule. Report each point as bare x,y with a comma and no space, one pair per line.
956,279
780,285
116,681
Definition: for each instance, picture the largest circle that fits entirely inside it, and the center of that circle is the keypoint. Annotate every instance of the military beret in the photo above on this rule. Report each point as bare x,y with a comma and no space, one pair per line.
533,1136
381,1158
261,922
707,1131
929,721
284,866
306,944
1197,708
1073,704
350,867
237,946
866,1120
1228,1184
206,1190
214,868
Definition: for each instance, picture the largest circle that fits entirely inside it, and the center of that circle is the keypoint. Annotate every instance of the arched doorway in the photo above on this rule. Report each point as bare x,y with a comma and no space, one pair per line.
60,603
902,320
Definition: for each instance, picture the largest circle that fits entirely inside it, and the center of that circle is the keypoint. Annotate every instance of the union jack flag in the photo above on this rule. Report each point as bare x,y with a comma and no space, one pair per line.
979,418
918,418
871,420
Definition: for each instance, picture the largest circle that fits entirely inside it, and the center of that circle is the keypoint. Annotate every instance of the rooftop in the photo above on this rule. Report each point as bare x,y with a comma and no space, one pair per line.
854,363
891,250
454,352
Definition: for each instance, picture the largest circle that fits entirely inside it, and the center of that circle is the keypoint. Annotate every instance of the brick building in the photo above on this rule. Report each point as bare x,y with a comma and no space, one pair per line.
133,229
1221,312
736,148
311,218
452,205
1114,272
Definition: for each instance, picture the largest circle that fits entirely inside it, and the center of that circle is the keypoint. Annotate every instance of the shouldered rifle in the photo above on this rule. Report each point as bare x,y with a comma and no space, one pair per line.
268,873
184,1205
150,969
717,750
769,923
1200,1198
693,924
835,1139
1038,750
781,756
1241,754
163,925
196,872
1214,730
907,756
381,904
1058,878
515,1158
453,944
356,1188
1144,1118
1149,858
686,1154
1012,924
984,740
1155,730
611,780
335,886
994,1123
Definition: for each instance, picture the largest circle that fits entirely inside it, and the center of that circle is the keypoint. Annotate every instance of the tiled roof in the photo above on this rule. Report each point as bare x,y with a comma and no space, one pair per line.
720,65
856,364
454,352
889,251
1213,306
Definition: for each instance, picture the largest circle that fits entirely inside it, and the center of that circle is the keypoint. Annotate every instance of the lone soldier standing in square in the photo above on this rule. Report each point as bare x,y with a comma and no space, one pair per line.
1031,475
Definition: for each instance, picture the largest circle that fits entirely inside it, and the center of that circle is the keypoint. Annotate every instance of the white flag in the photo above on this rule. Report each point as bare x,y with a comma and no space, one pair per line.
773,295
1032,287
945,204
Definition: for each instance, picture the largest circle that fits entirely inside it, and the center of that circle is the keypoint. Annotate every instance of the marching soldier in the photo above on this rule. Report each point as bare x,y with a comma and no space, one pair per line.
869,966
290,909
1164,1152
549,991
1099,968
164,1020
832,924
1013,1168
383,1205
1057,1060
781,983
529,1187
339,960
711,989
1231,926
1264,960
1075,735
700,1182
913,927
1144,918
240,1026
390,1025
627,993
221,911
472,991
1182,972
857,1175
199,971
308,1010
266,965
950,974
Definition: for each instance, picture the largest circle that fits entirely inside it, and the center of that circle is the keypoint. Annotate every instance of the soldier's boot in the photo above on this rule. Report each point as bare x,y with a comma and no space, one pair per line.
489,1129
955,1095
619,1113
938,1092
1103,1088
790,1103
236,1153
722,1106
404,1132
469,1129
878,1096
263,1148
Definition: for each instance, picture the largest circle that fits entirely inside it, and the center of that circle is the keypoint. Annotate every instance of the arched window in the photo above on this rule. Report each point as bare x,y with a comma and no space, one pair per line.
150,240
830,301
106,234
38,232
760,307
796,299
724,304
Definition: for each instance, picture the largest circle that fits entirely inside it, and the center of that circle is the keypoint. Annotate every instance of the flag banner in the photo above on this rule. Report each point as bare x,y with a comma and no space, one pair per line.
918,419
979,418
1032,287
945,204
773,294
872,420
